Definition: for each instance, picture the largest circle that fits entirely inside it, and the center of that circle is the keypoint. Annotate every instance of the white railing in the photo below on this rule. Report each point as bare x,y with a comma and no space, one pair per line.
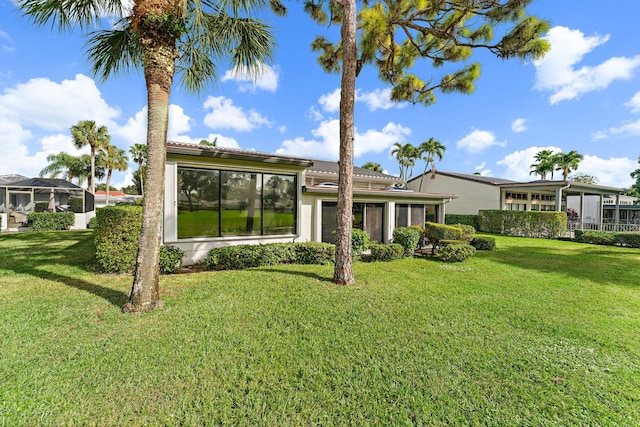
574,225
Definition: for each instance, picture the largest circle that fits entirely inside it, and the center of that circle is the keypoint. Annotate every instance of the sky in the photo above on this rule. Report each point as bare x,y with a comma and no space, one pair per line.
583,95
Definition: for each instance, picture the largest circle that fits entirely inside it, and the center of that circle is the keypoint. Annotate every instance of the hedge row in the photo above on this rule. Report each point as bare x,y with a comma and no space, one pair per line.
50,221
627,238
472,220
240,257
547,225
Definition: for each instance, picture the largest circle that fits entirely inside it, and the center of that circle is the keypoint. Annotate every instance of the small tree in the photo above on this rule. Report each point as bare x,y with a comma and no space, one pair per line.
87,133
139,155
372,166
431,149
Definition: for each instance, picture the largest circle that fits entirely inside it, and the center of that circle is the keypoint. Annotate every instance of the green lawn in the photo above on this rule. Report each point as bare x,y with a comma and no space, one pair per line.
536,333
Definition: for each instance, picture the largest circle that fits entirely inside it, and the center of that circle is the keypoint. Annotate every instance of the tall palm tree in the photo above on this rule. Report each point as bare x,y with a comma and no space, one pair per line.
63,164
545,163
86,133
431,148
567,162
163,37
139,155
406,155
398,152
113,158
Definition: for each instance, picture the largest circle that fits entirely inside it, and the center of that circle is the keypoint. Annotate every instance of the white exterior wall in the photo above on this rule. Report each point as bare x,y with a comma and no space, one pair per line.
472,196
197,249
3,221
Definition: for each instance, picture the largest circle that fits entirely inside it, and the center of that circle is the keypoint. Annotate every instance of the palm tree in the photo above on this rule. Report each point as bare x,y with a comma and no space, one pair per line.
86,133
398,152
372,166
163,37
139,155
432,148
545,163
113,158
406,155
63,164
567,162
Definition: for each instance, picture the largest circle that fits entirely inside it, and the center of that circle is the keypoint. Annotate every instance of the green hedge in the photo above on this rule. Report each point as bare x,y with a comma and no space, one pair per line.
240,257
456,252
435,233
484,243
408,238
472,220
170,259
468,232
385,253
547,225
116,237
50,221
629,238
624,238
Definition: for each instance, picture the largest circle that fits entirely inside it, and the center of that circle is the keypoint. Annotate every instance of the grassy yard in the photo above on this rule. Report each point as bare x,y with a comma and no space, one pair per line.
536,333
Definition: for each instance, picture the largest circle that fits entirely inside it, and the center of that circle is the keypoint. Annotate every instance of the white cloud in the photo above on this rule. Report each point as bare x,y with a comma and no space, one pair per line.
265,79
330,102
225,115
556,72
55,106
221,140
315,115
378,99
613,172
135,130
326,142
478,141
518,164
282,129
518,125
481,166
634,103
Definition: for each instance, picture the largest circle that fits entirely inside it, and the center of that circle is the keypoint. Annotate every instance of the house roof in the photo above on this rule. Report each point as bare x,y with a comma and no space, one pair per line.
567,186
10,178
489,180
43,183
235,154
324,167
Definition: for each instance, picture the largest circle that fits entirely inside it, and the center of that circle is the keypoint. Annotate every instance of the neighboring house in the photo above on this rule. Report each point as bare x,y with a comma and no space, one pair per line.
20,198
219,197
477,193
115,197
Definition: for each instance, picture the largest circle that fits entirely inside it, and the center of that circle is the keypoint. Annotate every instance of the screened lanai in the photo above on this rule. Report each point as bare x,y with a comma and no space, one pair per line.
20,198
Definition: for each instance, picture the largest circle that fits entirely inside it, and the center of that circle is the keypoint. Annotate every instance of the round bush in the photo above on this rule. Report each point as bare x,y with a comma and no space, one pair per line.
408,238
456,252
390,252
484,243
170,259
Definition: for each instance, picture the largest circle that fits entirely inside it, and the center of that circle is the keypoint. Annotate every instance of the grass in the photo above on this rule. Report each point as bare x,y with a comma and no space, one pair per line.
535,333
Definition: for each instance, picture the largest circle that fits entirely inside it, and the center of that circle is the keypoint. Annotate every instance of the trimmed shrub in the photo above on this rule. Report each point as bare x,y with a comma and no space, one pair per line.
248,256
435,233
385,253
468,232
444,243
75,204
170,259
116,237
472,220
456,253
484,243
629,238
41,207
548,225
577,235
598,238
92,223
421,231
359,241
408,238
314,253
50,221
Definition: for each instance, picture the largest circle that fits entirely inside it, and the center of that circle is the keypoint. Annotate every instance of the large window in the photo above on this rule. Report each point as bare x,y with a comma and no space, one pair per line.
366,216
407,215
214,203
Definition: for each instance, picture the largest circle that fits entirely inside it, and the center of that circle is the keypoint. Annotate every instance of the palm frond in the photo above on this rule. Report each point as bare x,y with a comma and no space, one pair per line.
67,14
113,51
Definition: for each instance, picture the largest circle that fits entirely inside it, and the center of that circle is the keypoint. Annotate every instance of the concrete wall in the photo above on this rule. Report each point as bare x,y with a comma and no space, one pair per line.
472,196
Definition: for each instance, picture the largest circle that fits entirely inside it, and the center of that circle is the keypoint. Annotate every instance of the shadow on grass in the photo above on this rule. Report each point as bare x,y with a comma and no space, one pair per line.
298,273
63,252
599,264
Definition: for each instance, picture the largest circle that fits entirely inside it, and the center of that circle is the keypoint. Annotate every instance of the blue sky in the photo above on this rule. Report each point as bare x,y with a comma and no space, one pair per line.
584,96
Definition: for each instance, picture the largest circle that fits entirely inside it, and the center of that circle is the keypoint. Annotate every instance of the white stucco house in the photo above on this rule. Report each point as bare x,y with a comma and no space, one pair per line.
595,205
219,196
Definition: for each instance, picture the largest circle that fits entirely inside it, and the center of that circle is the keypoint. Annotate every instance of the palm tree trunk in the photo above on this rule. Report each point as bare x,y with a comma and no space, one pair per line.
92,178
106,203
141,180
343,272
159,66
